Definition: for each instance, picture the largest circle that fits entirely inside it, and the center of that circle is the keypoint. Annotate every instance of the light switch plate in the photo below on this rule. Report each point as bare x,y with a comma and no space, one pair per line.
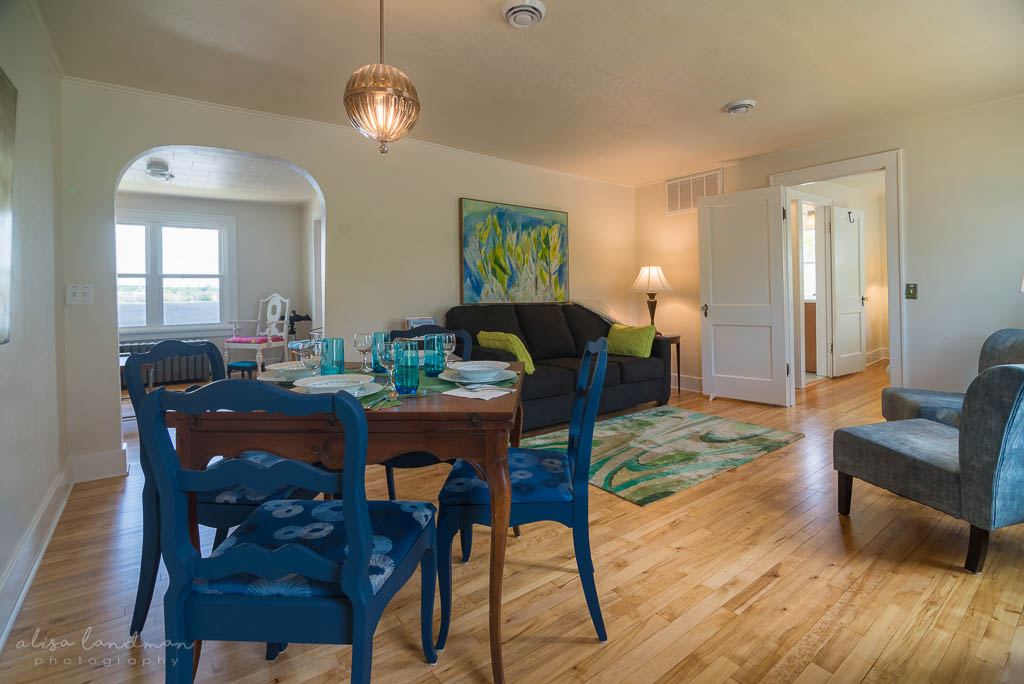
78,294
911,291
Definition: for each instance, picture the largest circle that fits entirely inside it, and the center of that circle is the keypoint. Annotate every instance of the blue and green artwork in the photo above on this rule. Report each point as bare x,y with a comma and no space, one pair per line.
513,254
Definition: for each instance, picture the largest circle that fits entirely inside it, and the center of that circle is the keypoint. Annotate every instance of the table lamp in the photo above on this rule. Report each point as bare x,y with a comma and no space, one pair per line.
652,281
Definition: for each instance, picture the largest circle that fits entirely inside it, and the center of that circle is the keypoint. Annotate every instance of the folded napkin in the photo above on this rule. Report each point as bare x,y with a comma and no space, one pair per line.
478,394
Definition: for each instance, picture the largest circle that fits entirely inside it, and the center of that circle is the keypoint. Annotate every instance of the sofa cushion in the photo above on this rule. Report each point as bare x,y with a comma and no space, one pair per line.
631,340
547,381
637,370
585,326
903,403
612,374
918,459
476,317
547,333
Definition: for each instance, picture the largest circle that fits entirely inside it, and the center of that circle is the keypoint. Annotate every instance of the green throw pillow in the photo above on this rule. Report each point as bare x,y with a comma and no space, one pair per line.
630,340
507,342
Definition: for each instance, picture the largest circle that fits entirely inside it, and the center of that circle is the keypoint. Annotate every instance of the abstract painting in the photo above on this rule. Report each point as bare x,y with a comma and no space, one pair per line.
512,253
8,106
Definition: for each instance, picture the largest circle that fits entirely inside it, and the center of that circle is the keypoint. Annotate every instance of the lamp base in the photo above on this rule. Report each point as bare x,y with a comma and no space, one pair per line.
652,304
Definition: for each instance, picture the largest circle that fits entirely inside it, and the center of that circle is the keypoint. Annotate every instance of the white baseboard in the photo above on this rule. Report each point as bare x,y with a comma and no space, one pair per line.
690,383
86,467
877,354
17,577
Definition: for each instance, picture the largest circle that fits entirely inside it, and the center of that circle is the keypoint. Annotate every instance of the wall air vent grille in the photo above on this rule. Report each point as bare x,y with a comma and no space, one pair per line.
682,194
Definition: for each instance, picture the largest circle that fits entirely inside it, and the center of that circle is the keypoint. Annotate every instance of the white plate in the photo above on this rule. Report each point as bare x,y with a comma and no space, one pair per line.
453,376
479,371
275,378
322,384
357,391
291,370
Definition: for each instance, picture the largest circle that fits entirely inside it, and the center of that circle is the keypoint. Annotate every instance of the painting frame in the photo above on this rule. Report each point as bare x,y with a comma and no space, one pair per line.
8,115
551,287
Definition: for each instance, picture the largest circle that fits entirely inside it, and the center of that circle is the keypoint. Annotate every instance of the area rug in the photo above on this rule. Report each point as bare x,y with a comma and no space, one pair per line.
646,456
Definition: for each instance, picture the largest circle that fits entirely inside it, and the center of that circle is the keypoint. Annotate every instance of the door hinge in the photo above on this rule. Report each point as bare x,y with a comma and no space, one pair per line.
830,348
783,213
787,370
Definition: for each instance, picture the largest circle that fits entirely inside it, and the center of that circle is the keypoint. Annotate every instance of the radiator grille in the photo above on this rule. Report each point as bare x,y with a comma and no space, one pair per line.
173,370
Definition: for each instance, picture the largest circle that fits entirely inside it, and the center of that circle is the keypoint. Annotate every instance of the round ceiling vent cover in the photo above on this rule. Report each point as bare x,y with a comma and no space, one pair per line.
739,107
522,14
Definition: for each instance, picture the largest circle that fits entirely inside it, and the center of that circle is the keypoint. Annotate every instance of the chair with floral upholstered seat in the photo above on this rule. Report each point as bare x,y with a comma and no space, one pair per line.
270,330
546,485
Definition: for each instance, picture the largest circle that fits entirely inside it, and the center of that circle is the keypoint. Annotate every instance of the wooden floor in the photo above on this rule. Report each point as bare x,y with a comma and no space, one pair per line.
748,577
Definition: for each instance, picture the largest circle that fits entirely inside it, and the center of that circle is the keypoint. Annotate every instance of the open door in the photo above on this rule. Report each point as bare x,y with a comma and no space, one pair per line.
746,305
849,327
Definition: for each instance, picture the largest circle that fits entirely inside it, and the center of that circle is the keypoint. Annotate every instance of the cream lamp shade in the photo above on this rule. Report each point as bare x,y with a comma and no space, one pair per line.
652,281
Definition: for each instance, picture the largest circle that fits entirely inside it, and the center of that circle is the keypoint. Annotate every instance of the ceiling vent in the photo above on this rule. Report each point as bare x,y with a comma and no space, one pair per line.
739,107
682,194
158,169
520,14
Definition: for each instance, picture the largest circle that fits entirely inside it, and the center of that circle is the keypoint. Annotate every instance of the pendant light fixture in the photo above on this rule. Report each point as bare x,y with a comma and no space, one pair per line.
380,100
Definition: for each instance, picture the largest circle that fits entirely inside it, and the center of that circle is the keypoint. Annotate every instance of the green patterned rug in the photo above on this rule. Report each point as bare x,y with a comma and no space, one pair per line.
646,456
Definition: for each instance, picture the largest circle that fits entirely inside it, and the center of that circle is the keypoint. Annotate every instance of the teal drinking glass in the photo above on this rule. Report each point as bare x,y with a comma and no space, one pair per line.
334,356
378,338
433,355
407,366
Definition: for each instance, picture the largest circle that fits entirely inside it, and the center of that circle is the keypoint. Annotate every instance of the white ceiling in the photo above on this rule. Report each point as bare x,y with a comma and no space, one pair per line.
219,174
628,91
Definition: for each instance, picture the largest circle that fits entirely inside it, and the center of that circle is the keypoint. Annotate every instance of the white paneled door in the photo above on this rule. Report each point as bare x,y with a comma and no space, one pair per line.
849,327
746,307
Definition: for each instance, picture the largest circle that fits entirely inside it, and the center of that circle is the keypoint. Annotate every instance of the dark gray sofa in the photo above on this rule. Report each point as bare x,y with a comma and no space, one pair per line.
555,335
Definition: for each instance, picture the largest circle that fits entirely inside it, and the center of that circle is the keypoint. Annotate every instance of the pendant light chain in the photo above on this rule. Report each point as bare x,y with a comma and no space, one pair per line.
381,31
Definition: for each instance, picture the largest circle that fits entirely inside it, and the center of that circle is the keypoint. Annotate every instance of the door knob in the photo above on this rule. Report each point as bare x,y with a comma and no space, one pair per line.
705,307
863,299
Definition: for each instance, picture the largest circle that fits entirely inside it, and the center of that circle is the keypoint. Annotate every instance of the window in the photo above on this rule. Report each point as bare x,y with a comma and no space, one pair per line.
174,272
809,265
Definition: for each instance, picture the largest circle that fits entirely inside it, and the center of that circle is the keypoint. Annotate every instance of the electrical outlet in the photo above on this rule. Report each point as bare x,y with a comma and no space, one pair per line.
911,291
78,294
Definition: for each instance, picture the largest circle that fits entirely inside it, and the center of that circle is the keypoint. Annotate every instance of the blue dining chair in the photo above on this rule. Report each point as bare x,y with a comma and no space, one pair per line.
218,509
546,485
416,459
295,570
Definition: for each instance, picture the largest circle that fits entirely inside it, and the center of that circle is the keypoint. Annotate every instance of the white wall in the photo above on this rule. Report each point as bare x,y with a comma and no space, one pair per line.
31,461
963,239
269,245
391,223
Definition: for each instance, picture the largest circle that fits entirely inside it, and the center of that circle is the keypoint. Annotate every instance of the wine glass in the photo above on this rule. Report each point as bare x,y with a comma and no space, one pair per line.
386,358
311,353
364,343
448,341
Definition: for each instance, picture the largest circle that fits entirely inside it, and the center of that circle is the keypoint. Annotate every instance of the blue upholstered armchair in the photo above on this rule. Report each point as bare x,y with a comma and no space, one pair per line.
975,473
903,403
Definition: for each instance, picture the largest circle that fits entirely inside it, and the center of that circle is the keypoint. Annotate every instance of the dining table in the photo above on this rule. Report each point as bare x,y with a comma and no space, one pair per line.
447,427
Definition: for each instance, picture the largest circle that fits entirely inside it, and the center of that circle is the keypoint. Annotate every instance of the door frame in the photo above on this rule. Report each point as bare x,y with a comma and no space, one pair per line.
891,162
823,307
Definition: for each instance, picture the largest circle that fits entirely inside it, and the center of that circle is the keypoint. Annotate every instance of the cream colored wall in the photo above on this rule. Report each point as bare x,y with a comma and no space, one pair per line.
875,281
269,244
391,222
31,461
963,232
670,241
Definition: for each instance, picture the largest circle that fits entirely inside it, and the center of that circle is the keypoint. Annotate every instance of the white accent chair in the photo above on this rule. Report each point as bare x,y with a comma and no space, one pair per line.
271,330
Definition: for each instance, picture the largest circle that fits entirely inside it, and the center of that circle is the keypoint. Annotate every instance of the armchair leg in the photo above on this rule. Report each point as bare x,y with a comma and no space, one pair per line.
845,493
977,549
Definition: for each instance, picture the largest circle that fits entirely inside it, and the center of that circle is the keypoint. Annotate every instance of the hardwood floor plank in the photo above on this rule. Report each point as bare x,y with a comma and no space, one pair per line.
750,576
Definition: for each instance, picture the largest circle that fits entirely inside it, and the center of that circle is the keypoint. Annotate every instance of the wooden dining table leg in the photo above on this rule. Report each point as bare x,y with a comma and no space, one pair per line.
183,439
501,498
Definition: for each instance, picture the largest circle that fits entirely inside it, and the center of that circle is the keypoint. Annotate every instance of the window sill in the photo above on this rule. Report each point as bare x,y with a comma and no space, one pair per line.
177,332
